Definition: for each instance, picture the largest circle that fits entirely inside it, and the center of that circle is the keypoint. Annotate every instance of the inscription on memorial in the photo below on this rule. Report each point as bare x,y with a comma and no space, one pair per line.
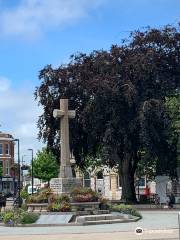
69,184
65,185
56,185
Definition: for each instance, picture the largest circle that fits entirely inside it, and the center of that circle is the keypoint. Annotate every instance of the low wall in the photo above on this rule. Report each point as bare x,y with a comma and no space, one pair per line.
75,206
37,207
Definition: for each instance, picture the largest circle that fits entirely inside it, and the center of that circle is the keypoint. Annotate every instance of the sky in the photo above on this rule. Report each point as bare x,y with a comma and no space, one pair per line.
34,33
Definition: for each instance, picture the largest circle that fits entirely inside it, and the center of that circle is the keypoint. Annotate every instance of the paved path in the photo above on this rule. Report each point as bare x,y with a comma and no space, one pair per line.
167,235
156,225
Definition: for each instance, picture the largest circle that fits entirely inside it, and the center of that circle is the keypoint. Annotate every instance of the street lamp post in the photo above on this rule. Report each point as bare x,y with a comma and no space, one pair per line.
22,164
19,172
32,177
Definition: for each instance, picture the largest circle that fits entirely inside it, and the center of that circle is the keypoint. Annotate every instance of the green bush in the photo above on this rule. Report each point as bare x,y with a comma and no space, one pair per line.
10,216
59,207
28,218
54,207
126,209
19,217
24,194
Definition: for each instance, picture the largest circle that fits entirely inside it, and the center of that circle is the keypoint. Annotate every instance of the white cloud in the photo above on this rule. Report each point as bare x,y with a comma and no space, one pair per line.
18,116
27,129
4,84
30,18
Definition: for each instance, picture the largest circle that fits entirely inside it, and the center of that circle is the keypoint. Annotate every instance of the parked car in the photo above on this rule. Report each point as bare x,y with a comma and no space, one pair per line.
35,189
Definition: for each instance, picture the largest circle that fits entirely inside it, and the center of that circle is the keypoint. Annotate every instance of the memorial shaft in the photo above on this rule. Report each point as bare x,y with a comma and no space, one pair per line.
64,114
64,126
65,182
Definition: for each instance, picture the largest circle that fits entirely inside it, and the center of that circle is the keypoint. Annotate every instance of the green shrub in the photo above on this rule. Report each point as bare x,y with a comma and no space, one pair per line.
59,207
24,194
10,216
19,217
54,207
28,218
126,209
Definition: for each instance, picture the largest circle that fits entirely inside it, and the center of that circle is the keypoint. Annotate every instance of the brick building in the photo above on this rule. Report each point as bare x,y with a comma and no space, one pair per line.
8,183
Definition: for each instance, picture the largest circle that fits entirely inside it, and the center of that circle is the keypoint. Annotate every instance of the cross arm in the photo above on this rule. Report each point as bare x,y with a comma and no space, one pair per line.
57,113
71,113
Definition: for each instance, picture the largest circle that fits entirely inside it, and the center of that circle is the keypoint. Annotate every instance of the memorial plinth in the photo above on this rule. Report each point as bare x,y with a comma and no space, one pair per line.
65,183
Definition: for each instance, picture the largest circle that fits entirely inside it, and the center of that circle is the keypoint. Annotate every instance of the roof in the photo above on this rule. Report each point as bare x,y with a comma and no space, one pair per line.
5,136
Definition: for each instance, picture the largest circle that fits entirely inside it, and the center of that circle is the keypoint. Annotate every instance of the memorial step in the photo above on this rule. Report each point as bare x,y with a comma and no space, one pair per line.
90,218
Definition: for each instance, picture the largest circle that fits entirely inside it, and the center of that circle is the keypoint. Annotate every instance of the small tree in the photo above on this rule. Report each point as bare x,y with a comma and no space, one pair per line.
45,165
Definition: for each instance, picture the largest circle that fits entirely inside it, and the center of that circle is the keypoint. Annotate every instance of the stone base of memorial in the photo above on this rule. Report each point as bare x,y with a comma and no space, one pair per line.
65,185
37,207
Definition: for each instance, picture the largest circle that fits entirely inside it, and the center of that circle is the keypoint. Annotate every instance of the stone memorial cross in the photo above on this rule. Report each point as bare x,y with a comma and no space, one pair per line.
64,114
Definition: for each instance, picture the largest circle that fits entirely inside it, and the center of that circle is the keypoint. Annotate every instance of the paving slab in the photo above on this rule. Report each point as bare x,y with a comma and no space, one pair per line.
54,219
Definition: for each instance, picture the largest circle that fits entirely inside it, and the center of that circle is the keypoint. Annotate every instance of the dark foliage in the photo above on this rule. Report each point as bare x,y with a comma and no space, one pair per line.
119,98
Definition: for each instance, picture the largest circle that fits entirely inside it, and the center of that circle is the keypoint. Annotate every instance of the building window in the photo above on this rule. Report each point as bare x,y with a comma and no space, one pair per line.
7,149
1,149
7,167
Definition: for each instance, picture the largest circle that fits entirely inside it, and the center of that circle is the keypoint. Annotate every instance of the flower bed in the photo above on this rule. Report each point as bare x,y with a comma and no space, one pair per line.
40,197
59,203
57,207
84,195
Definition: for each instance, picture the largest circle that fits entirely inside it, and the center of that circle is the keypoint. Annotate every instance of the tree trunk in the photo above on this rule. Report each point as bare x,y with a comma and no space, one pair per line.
127,180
